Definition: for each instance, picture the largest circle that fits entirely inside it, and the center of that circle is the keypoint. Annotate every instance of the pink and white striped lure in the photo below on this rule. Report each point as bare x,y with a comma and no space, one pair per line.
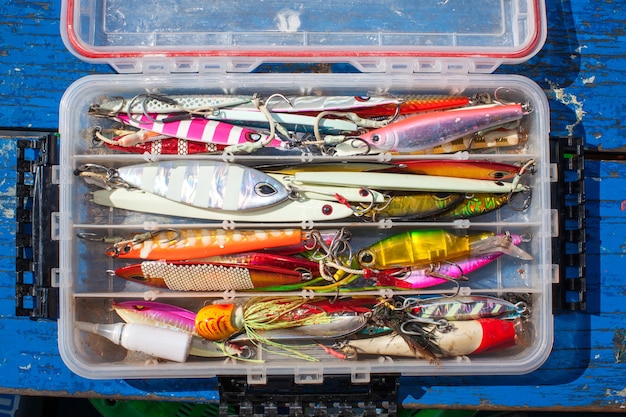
198,129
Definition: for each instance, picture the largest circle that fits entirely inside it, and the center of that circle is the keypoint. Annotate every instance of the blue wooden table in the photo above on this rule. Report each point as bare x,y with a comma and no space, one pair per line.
581,70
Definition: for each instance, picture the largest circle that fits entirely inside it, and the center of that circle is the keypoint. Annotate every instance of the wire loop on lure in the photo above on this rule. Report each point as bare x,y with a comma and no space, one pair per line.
525,107
105,177
527,192
353,117
96,111
250,147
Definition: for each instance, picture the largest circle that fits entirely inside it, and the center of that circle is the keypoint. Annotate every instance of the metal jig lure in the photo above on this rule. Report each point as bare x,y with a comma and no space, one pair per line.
407,182
464,308
479,170
148,103
200,130
199,183
291,210
168,146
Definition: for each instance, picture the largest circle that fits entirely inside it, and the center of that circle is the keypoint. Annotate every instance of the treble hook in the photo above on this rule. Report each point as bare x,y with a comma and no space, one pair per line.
525,107
100,175
528,166
371,207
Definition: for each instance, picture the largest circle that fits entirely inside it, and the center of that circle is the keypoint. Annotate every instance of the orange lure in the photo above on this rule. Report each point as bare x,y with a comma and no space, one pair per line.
173,245
480,170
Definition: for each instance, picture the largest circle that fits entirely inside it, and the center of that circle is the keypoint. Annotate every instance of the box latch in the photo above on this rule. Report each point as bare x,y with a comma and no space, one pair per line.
568,198
337,396
37,254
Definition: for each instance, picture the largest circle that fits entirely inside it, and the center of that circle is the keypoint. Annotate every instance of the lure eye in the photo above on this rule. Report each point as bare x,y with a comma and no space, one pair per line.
366,258
139,278
362,99
376,138
252,137
498,175
264,189
327,209
442,196
127,248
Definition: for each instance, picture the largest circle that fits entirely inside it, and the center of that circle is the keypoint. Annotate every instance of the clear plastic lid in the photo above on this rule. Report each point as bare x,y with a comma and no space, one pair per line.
374,35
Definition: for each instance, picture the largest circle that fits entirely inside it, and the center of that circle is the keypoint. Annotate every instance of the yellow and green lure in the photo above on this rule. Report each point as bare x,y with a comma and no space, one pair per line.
413,205
473,206
423,247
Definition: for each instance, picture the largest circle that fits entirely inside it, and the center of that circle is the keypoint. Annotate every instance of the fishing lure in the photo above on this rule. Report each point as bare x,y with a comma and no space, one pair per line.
473,206
157,103
208,276
407,182
480,142
464,308
315,104
291,122
412,206
168,146
200,183
328,192
297,210
201,104
427,130
425,247
480,170
200,130
461,339
186,244
410,104
274,260
171,317
435,274
260,315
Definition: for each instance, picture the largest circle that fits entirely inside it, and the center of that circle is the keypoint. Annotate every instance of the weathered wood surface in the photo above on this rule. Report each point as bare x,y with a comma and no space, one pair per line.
581,70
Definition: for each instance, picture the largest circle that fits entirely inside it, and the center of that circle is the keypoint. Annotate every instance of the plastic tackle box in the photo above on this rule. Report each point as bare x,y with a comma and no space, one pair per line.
400,48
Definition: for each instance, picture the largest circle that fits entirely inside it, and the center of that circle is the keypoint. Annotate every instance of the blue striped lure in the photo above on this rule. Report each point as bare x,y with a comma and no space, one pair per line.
465,308
206,184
